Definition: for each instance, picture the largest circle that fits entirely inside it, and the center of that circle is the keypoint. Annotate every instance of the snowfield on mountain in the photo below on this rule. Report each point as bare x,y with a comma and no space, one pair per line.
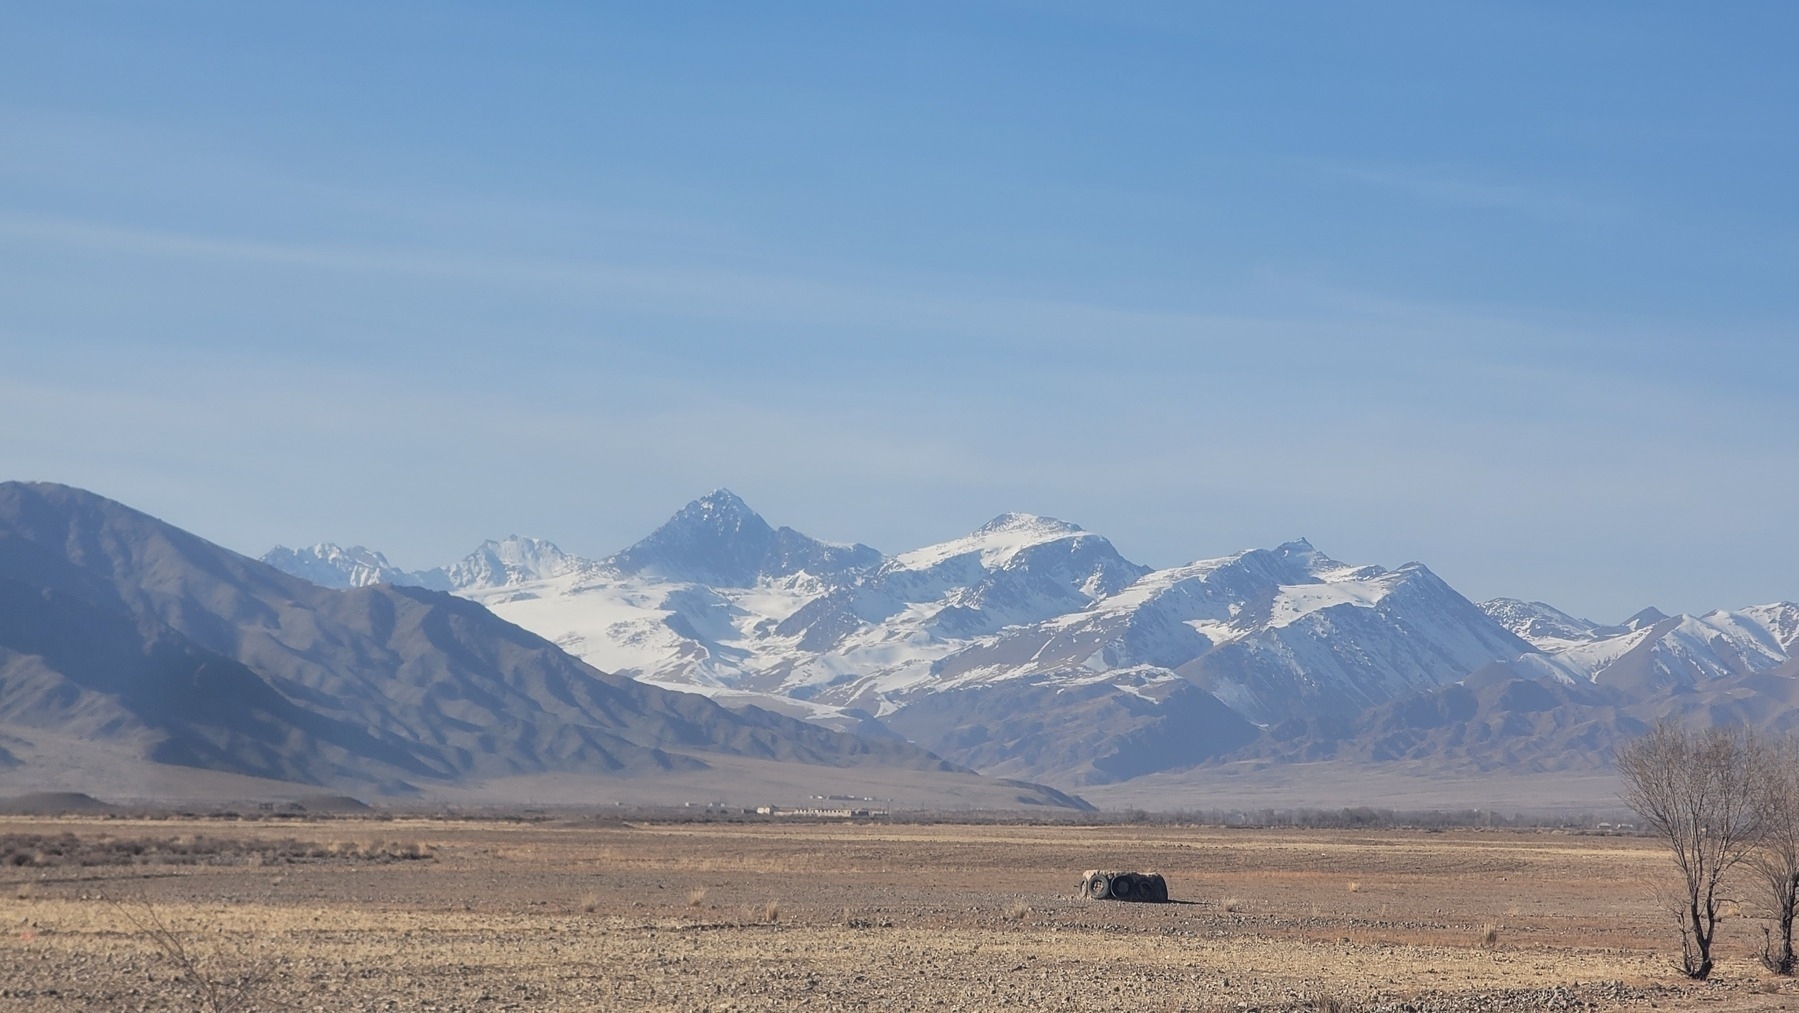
1031,647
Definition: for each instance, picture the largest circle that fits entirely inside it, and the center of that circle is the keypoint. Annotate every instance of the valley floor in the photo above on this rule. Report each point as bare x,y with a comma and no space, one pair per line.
378,914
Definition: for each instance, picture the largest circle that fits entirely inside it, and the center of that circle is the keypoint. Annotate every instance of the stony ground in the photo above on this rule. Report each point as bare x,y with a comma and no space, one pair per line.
347,915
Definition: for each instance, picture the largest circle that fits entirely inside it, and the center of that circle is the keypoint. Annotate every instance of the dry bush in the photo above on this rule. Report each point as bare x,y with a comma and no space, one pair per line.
696,896
767,913
223,982
39,851
1232,904
590,903
1325,1003
1355,887
1017,910
1489,937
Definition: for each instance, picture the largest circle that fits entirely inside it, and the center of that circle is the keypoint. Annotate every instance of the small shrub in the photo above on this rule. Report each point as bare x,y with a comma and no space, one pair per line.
1355,887
1489,937
590,903
771,912
696,896
1016,911
1233,905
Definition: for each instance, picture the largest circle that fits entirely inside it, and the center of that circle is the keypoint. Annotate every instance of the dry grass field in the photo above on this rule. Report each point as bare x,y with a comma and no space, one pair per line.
419,914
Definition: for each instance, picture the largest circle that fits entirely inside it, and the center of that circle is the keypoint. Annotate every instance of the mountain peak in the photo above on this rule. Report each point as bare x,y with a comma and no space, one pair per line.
511,560
1648,617
517,547
718,540
1298,561
1024,523
1540,624
329,564
1001,539
719,510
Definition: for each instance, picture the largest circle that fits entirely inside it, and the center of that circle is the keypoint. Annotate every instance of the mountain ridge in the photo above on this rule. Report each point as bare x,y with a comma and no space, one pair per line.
1030,647
243,668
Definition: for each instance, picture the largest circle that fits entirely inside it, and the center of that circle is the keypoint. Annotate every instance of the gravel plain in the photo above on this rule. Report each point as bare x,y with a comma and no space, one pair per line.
574,914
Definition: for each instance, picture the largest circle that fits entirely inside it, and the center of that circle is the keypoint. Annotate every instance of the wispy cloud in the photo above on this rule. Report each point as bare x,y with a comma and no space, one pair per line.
1453,187
928,305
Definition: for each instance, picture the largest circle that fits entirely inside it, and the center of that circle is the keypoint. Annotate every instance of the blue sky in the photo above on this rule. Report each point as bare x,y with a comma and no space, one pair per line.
1507,288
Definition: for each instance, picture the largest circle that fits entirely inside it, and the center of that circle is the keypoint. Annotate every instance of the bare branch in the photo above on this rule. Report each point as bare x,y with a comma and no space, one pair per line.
1698,792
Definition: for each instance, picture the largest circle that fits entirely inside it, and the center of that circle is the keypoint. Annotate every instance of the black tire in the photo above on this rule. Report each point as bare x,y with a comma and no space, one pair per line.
1099,887
1158,889
1123,887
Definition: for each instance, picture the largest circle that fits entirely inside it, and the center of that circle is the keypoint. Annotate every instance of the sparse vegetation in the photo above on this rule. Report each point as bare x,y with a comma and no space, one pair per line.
696,896
38,851
1489,937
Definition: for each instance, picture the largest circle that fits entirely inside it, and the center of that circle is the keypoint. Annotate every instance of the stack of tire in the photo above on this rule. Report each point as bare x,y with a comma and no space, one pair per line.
1106,884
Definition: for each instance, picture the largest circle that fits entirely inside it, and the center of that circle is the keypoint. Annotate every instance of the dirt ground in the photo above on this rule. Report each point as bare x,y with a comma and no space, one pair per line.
418,914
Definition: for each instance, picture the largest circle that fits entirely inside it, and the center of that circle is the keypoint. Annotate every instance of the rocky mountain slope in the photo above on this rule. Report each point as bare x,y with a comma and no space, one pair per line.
1605,684
117,628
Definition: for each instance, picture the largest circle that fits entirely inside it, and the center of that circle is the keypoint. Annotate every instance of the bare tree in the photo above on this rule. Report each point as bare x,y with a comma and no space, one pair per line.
1696,791
1776,858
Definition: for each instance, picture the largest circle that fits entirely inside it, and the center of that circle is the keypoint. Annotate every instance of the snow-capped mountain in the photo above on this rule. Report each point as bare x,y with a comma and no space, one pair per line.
1652,650
883,631
1274,633
332,565
842,636
1031,647
718,540
1026,615
1543,626
510,561
493,564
